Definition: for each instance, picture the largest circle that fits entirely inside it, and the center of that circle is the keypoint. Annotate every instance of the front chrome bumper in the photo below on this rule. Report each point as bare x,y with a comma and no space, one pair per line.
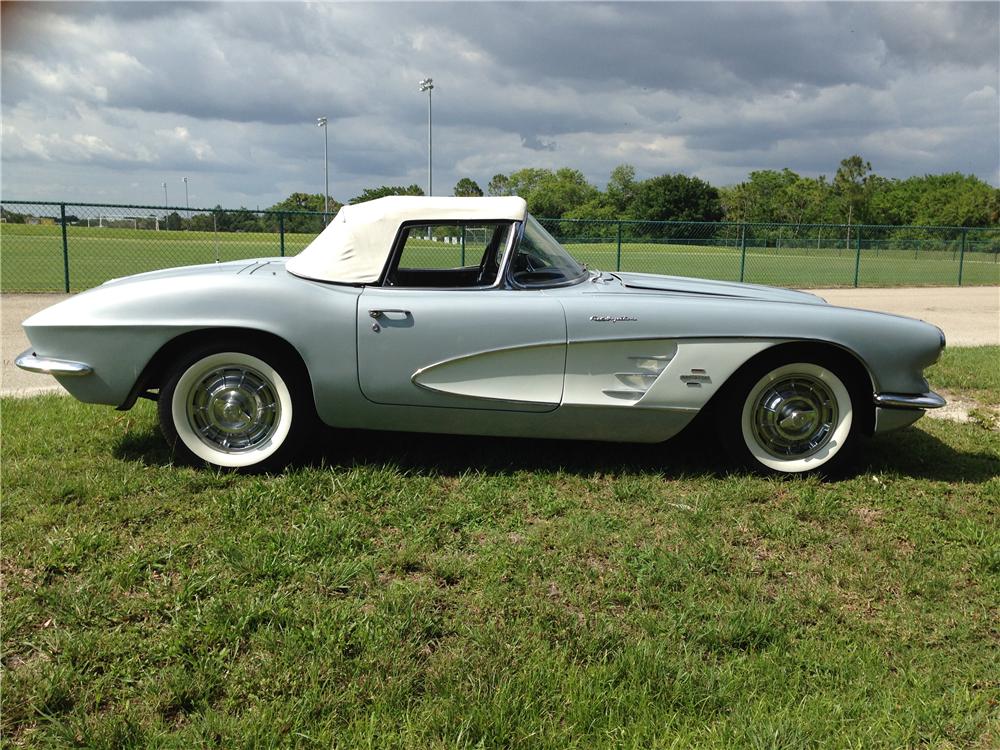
29,361
903,401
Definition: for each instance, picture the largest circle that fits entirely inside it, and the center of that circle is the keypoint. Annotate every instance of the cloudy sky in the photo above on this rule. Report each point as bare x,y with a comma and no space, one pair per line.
104,102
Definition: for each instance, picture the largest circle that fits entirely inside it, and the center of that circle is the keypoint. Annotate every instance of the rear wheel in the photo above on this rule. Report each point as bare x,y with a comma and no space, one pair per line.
791,417
235,408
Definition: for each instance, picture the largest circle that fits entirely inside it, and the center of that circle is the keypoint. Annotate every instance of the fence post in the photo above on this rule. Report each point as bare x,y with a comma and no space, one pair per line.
62,217
961,258
215,233
281,231
462,262
857,256
618,262
743,251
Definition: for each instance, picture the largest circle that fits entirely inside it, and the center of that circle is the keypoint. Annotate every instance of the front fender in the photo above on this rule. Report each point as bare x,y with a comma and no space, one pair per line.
117,329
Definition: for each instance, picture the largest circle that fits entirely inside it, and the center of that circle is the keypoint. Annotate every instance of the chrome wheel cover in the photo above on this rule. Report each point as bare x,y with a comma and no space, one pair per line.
233,409
794,416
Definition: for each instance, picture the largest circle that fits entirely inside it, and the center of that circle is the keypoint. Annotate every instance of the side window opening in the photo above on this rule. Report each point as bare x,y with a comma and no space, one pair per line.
449,255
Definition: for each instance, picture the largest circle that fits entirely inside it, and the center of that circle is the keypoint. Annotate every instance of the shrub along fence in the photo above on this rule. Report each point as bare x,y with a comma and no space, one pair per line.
49,246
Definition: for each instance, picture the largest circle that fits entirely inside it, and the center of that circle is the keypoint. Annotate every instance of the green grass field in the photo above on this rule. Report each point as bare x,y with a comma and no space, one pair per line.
31,259
972,370
431,592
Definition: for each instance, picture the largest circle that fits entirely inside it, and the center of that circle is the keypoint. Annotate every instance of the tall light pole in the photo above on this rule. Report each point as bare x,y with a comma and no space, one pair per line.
165,202
428,85
321,123
187,203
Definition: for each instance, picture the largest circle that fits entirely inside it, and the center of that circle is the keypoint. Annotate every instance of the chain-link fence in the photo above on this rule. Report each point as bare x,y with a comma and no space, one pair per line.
803,255
70,247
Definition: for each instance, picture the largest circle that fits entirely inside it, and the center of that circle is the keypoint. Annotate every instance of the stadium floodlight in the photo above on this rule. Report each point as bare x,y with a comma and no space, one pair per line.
321,123
165,202
187,203
427,85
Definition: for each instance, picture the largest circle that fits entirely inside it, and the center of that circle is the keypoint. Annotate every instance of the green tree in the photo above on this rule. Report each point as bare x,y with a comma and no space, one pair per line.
548,194
468,188
298,223
621,190
524,181
851,186
735,201
951,200
993,207
598,209
770,196
370,194
305,202
555,194
12,217
499,185
677,197
203,222
174,221
820,207
240,220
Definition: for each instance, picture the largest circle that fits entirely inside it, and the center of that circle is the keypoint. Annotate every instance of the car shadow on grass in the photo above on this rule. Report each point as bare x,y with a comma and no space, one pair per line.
694,453
452,455
912,452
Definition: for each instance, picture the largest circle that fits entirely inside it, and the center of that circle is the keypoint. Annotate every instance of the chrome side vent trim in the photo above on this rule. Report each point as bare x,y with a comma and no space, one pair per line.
648,369
654,363
639,380
623,394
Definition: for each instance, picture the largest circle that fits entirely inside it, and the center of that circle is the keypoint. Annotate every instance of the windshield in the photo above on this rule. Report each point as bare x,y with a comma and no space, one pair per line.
541,261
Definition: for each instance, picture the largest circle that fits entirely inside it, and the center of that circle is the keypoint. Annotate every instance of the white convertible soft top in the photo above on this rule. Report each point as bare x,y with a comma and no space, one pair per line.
354,247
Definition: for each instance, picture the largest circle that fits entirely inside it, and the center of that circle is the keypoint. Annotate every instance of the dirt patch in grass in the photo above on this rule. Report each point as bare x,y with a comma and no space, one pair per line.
868,516
965,409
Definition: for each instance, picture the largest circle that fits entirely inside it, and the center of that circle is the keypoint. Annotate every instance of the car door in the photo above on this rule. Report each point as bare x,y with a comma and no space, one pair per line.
476,349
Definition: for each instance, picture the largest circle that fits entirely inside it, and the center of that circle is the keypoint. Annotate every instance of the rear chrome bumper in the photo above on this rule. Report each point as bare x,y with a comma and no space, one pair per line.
904,401
27,360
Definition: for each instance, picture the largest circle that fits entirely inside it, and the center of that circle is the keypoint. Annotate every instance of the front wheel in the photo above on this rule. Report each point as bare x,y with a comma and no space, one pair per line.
790,418
234,409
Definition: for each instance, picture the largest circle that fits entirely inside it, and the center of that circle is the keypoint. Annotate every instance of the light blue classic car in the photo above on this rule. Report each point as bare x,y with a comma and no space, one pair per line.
368,328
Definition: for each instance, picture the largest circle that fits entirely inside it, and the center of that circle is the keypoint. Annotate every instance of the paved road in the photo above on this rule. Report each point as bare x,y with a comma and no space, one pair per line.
13,309
969,316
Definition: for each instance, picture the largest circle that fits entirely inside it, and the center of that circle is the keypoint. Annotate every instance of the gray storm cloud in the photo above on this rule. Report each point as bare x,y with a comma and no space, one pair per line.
106,101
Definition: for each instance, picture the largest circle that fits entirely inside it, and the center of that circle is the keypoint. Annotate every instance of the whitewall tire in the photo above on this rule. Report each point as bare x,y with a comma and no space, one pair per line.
233,410
791,418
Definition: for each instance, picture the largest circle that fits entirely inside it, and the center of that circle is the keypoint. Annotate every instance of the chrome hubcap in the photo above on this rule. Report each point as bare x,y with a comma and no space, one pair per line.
794,416
234,409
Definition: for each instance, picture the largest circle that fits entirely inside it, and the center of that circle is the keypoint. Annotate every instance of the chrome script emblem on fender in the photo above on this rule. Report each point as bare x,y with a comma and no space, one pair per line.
613,318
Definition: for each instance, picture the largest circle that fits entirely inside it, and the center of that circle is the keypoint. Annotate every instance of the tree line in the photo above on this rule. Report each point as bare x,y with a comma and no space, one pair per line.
854,195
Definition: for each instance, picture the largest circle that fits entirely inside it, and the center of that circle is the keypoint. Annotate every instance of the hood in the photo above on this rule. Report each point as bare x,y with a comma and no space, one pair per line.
704,287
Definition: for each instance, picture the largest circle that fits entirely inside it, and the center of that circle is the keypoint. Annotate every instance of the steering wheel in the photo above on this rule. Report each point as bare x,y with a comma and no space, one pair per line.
523,264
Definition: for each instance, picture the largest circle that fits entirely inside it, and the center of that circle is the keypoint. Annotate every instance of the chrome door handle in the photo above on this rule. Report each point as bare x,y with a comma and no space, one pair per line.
380,313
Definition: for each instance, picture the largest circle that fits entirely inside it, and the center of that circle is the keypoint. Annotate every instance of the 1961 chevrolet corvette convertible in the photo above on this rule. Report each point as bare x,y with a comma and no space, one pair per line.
368,328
